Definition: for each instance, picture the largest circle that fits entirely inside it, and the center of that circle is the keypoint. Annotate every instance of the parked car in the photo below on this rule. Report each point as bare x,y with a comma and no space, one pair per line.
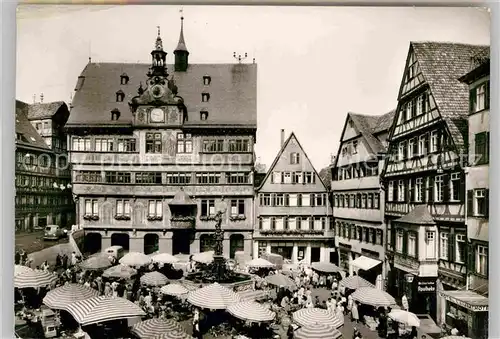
115,251
53,232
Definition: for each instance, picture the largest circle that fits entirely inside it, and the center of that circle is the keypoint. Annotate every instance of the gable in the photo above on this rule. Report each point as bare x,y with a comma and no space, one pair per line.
284,164
353,151
350,130
412,77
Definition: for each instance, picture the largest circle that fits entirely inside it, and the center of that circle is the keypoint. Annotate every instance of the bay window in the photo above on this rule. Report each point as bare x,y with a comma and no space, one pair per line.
430,245
482,260
460,248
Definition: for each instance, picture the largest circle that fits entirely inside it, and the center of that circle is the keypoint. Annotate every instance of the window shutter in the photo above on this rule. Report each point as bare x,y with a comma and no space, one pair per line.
430,189
470,203
272,177
446,188
261,199
395,191
451,247
487,147
486,202
299,199
472,100
409,190
487,102
461,193
471,257
405,241
260,223
293,177
287,199
273,199
416,244
282,177
312,200
313,177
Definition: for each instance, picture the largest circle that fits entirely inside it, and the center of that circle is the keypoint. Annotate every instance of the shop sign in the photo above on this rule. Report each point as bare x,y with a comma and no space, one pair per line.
474,308
426,286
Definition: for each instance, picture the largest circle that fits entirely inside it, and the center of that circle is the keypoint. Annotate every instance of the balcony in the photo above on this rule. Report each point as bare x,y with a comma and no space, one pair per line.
179,222
451,211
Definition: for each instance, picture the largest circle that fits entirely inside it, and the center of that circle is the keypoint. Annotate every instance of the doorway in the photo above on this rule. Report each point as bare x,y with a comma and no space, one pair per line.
315,254
181,242
92,242
121,239
236,243
151,241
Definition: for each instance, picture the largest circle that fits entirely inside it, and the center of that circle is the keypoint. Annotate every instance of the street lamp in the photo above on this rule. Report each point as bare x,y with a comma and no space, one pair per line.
409,277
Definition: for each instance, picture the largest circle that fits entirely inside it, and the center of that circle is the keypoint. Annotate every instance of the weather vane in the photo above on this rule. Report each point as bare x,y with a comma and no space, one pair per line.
182,13
239,58
158,30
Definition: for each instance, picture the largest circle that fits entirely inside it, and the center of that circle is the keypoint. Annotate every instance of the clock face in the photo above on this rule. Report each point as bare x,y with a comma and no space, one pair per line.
157,115
157,91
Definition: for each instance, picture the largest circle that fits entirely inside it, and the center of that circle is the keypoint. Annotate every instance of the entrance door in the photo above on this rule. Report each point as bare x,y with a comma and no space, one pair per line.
150,243
181,242
315,254
334,258
92,242
236,243
121,239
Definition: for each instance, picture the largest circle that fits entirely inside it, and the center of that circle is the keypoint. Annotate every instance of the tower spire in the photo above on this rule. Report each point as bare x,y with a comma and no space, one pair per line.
181,53
181,46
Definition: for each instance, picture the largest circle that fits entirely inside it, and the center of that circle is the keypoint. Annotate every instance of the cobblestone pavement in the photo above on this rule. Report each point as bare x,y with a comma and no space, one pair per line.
33,241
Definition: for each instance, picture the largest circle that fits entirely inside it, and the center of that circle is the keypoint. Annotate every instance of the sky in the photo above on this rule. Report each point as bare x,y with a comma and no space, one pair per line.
315,64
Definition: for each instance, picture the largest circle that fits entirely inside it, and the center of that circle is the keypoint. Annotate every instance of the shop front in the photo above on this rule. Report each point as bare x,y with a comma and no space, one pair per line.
466,311
345,256
297,251
367,268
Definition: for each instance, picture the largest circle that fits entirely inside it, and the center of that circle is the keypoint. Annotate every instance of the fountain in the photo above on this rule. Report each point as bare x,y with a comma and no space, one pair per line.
217,270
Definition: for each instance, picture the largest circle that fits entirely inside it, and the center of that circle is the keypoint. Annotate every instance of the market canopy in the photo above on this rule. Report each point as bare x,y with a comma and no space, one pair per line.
97,262
260,263
373,296
120,272
325,267
62,297
251,311
101,309
467,299
314,316
365,263
214,297
317,331
135,259
164,258
204,257
281,280
34,279
155,327
354,282
154,279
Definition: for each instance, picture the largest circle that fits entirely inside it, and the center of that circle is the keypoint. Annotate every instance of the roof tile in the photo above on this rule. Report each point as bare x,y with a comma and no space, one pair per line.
29,135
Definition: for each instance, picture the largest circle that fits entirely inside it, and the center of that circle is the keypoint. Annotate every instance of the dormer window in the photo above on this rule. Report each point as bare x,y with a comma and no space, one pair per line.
120,96
206,80
203,115
115,114
124,79
205,97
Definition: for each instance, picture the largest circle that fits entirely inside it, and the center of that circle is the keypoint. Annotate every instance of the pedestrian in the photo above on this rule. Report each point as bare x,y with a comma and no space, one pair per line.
22,256
65,261
58,260
17,258
289,332
382,324
74,259
414,333
335,285
350,303
354,312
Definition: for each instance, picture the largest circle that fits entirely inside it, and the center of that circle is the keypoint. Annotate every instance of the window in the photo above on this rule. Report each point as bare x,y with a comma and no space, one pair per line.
297,177
444,246
88,176
355,147
276,178
153,142
207,178
178,178
265,200
390,191
419,108
118,177
237,207
482,260
320,199
455,187
104,145
81,144
213,146
126,145
287,177
369,201
430,245
38,126
434,141
206,80
294,158
91,207
460,248
438,188
239,145
205,97
376,200
237,178
120,95
401,190
479,98
279,200
419,189
363,200
482,148
401,150
123,208
309,178
184,143
481,202
412,244
292,200
378,239
207,207
422,144
399,241
412,148
155,208
148,178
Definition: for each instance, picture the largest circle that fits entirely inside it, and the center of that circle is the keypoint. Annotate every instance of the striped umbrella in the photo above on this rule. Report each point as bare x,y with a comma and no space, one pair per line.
373,296
60,298
97,262
354,282
19,269
455,337
260,263
154,279
174,334
204,257
214,297
164,258
251,311
317,331
280,280
155,327
176,290
135,259
311,316
404,317
101,309
34,279
325,267
119,271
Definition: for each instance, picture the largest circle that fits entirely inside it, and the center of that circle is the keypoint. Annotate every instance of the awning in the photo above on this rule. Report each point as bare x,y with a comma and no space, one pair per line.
365,263
468,299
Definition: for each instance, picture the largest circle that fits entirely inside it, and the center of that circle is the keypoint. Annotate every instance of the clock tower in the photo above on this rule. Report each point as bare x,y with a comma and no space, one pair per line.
159,103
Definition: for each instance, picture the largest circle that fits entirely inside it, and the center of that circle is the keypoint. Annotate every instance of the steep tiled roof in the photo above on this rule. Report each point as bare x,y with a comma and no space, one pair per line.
326,176
233,93
368,125
420,215
43,110
28,135
442,63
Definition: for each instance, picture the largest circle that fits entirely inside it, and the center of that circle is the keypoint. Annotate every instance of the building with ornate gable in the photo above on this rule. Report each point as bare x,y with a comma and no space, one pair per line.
358,198
424,177
293,211
156,149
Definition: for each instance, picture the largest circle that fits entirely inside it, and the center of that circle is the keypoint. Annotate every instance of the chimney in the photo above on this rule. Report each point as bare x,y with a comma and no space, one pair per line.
282,137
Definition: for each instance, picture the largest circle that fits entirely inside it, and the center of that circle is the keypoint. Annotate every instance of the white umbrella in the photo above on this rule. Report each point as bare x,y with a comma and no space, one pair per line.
19,269
204,257
175,290
135,259
404,317
214,297
164,258
120,271
260,263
